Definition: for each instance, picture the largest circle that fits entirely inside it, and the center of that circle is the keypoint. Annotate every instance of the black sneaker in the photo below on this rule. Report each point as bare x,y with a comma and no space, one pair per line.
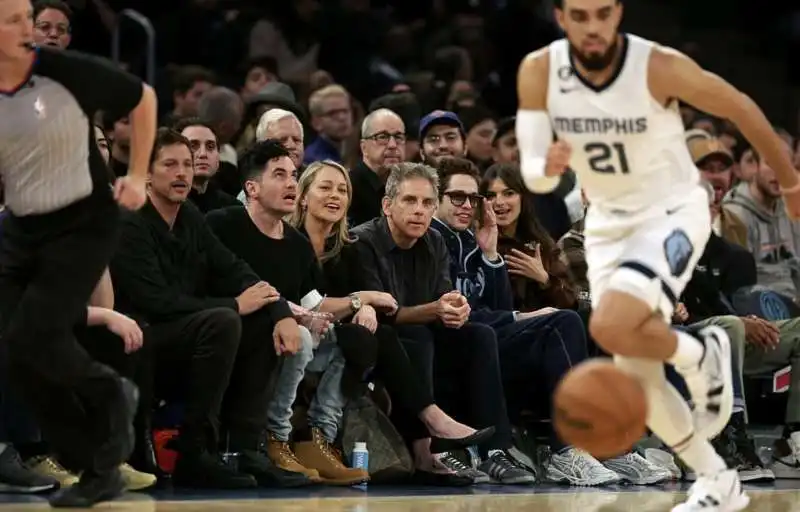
203,470
267,474
16,478
505,470
91,489
743,451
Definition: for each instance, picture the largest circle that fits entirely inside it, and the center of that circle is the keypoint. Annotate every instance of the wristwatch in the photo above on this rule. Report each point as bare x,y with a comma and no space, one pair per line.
355,302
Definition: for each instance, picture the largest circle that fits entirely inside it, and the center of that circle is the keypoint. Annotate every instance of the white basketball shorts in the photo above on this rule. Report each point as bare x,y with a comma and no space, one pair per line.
650,253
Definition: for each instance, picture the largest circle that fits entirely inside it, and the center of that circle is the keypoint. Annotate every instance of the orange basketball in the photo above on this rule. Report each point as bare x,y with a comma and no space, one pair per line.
600,409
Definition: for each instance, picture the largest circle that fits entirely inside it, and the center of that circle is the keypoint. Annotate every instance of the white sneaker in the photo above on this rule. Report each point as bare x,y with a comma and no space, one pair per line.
637,470
711,384
718,493
786,458
575,467
665,460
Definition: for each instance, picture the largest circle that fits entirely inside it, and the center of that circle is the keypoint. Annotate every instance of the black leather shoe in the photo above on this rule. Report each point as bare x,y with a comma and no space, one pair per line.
267,474
91,489
203,470
441,445
429,478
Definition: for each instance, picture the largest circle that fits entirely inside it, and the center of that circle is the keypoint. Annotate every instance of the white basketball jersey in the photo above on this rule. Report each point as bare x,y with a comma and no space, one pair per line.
628,150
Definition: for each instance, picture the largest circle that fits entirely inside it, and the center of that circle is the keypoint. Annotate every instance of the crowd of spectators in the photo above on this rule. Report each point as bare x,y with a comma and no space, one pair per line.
308,262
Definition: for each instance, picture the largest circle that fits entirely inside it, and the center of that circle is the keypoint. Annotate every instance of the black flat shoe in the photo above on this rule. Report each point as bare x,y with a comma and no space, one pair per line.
429,478
442,445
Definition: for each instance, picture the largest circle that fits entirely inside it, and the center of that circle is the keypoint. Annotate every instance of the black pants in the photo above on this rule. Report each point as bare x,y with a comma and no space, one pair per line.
535,354
221,364
461,367
49,266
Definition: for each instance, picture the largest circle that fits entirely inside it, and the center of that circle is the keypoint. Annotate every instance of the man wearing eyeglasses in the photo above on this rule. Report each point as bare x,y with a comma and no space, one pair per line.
383,143
52,25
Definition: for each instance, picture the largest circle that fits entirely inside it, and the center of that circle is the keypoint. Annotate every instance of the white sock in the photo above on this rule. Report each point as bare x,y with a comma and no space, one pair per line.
688,352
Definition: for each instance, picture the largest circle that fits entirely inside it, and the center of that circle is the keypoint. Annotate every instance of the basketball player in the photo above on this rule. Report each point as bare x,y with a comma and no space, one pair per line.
57,240
612,101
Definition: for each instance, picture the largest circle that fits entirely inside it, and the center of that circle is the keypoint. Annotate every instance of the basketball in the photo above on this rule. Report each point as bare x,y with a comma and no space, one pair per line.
600,409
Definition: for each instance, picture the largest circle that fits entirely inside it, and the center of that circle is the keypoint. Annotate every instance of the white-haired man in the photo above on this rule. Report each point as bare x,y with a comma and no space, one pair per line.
285,127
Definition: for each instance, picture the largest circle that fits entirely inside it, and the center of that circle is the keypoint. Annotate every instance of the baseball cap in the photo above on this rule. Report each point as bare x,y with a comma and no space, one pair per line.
439,117
702,149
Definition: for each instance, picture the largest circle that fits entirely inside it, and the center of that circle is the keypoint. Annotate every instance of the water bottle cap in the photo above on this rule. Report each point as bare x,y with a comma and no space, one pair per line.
360,447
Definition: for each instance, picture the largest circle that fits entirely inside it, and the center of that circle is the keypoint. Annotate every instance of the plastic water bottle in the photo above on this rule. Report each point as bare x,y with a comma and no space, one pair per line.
361,459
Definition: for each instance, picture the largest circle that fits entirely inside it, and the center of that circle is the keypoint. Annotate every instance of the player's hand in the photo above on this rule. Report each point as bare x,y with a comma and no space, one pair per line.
557,159
256,297
681,314
453,309
367,317
761,332
127,329
286,336
130,192
522,264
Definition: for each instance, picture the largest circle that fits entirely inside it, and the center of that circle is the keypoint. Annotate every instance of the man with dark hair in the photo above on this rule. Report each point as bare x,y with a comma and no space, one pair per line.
208,314
223,109
205,194
256,73
441,135
52,23
189,84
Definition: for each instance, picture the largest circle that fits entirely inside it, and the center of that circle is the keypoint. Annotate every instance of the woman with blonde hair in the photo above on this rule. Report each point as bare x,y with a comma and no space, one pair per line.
324,195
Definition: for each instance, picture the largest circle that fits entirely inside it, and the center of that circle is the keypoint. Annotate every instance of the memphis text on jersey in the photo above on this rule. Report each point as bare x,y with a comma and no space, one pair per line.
601,126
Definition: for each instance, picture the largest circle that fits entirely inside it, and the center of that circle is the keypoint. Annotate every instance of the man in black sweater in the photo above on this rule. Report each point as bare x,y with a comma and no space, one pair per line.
206,312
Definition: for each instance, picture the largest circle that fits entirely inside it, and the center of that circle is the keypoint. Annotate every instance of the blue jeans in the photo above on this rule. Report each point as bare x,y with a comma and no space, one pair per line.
327,406
536,353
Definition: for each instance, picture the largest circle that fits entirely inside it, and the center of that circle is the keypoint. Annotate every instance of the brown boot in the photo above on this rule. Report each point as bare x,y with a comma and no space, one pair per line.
320,455
282,456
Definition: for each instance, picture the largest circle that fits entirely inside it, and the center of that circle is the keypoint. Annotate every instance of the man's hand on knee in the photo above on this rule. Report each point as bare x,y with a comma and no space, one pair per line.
286,336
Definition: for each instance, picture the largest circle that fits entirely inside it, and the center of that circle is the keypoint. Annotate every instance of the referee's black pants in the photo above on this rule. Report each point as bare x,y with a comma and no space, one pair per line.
49,266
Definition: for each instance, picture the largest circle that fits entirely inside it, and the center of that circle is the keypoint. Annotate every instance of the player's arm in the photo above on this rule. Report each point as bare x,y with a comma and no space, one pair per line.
673,75
534,131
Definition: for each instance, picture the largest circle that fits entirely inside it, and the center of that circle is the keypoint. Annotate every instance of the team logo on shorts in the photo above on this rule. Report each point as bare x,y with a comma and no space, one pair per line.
678,250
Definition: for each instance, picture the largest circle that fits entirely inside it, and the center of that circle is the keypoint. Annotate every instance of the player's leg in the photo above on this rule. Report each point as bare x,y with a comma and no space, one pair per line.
635,285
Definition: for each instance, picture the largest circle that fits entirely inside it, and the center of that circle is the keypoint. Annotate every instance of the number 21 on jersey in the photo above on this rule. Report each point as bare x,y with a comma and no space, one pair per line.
607,158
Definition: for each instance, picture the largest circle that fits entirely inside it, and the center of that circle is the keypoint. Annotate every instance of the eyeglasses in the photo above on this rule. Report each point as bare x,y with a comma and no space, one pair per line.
383,138
458,198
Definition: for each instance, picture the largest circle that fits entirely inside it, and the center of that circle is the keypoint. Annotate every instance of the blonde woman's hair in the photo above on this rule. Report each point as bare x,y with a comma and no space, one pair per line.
298,218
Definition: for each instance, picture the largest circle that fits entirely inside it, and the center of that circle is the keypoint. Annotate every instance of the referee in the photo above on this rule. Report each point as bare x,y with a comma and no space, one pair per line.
57,239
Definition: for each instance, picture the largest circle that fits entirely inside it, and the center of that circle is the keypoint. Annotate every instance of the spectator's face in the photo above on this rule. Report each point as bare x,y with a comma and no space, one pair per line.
172,172
327,196
276,188
766,180
289,133
460,202
479,140
52,29
411,211
506,203
186,104
506,150
205,150
748,166
591,27
122,133
441,141
16,28
380,146
335,118
255,80
718,174
102,143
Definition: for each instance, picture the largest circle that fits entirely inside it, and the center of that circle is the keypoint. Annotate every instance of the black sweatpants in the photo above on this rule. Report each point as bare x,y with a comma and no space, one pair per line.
49,266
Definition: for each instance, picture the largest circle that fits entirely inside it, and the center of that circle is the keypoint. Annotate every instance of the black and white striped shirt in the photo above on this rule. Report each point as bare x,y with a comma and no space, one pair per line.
48,157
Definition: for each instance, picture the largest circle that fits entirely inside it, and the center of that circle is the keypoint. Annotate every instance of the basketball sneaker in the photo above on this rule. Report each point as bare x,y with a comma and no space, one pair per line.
637,470
575,467
716,493
452,462
710,383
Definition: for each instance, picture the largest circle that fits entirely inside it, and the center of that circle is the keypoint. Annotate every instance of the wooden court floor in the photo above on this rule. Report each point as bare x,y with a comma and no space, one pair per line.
347,500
